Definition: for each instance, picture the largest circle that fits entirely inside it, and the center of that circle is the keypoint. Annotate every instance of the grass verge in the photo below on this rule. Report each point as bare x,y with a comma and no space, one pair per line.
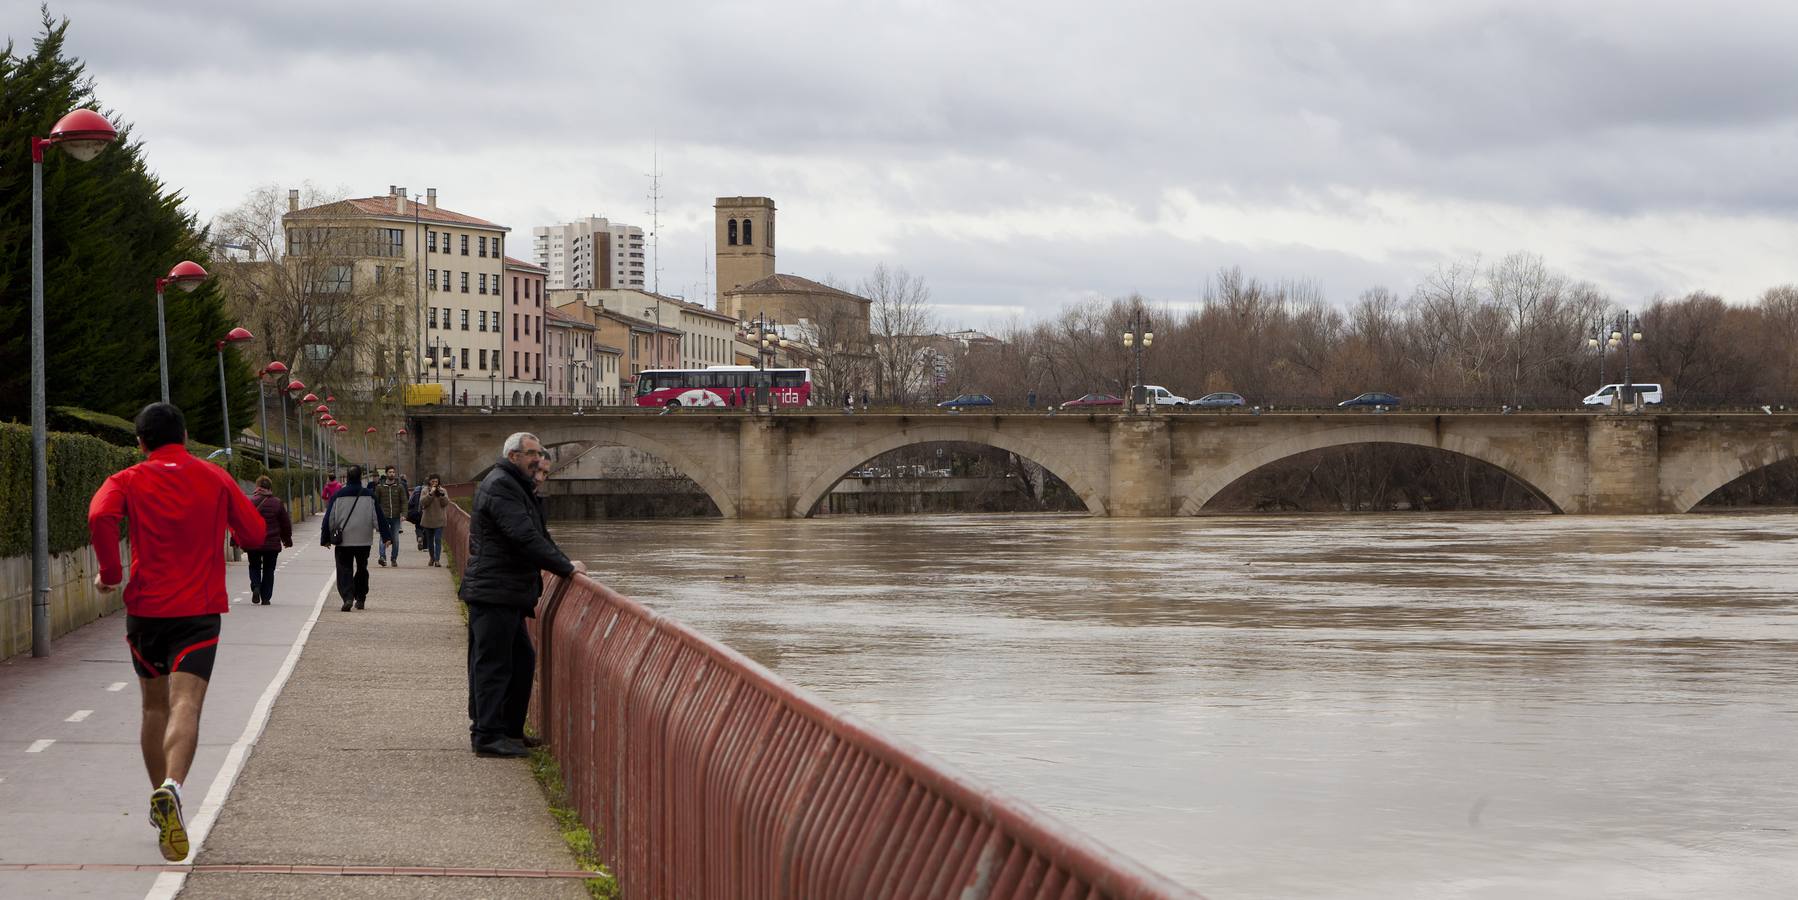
579,840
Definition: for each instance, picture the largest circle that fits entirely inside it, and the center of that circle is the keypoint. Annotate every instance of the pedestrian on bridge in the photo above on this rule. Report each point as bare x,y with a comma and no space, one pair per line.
433,510
176,509
352,522
509,547
390,492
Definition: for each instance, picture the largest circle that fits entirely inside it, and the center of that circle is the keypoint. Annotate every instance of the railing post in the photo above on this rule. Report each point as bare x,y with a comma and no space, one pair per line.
546,656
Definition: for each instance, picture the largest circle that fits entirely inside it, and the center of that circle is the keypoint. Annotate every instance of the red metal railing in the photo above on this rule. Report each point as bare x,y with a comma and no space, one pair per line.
703,774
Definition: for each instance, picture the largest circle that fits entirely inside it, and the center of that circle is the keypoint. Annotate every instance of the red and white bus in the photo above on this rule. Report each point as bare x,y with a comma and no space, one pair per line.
723,386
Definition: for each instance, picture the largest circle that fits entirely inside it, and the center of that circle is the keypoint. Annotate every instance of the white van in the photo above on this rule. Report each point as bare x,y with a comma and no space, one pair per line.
1161,396
1649,394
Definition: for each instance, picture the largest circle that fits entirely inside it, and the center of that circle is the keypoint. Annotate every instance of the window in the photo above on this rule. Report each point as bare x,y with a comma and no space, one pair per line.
464,282
464,357
515,326
730,232
496,248
515,289
431,241
394,243
446,317
449,357
539,362
746,239
527,325
483,324
446,280
527,364
465,320
483,247
483,359
515,364
483,283
432,281
465,245
446,242
333,280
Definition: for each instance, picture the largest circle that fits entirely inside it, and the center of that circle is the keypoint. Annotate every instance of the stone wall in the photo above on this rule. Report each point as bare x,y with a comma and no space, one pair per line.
73,600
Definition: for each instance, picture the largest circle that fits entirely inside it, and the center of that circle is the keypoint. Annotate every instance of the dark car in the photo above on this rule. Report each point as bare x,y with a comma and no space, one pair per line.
1096,400
1374,399
1221,398
967,400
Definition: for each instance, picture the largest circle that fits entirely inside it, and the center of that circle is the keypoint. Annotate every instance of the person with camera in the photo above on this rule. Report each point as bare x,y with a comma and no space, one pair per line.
433,509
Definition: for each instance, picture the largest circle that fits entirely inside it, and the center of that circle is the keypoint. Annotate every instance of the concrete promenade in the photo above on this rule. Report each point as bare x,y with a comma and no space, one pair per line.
331,740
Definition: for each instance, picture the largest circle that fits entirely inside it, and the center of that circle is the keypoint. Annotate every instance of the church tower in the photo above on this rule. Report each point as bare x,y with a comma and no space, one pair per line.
745,242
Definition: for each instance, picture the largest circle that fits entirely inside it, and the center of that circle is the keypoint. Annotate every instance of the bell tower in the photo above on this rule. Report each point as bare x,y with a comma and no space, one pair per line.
744,242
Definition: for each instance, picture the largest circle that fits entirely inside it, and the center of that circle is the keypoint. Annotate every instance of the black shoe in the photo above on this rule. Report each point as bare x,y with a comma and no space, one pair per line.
504,748
529,741
346,606
359,603
381,562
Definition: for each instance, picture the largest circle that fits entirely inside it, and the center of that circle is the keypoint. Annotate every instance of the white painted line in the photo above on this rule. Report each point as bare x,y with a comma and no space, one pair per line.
168,884
116,686
80,715
40,746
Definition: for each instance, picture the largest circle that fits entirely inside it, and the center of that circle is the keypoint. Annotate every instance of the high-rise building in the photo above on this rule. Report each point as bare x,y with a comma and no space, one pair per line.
589,254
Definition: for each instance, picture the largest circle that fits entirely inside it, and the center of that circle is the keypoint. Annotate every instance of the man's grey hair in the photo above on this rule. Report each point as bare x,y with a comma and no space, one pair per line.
515,443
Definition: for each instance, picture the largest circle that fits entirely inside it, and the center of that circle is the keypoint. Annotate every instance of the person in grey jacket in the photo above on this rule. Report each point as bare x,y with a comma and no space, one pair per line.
351,522
509,548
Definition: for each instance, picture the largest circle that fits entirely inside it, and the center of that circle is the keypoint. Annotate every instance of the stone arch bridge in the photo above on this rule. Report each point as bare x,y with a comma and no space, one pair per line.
778,465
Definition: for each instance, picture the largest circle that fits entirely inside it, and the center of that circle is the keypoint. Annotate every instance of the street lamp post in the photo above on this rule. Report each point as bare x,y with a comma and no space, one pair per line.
1138,338
277,369
236,336
365,454
492,396
1629,331
286,448
186,275
82,134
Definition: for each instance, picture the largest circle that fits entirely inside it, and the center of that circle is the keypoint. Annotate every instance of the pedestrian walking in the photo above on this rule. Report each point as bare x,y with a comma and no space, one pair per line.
433,509
279,526
412,514
509,548
864,400
352,522
330,489
176,509
390,492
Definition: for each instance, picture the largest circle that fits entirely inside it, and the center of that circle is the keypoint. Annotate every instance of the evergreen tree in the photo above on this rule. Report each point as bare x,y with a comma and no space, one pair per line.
110,229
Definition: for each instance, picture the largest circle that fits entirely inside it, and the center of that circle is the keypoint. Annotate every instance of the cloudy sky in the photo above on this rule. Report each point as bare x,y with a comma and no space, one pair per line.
1018,156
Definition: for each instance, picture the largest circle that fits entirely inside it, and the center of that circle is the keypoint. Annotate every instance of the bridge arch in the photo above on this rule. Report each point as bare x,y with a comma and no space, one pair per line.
1531,477
834,468
1727,469
721,492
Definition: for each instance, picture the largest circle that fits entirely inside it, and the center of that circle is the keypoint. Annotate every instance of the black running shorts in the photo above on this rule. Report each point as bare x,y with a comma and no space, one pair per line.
163,646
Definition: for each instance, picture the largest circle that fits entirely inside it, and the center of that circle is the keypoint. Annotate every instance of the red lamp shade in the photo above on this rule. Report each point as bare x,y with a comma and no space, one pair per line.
343,428
369,430
276,368
83,134
322,409
187,275
401,432
309,398
330,398
295,385
239,335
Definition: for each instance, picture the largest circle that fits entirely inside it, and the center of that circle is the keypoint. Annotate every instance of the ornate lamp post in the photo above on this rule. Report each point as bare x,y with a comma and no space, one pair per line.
1599,342
1628,331
186,275
1138,338
235,336
81,134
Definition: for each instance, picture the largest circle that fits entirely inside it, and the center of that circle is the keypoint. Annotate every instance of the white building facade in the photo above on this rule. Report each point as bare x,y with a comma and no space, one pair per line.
590,253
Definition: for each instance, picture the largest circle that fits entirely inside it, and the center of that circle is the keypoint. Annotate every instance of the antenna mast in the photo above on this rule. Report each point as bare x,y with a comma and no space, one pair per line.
655,219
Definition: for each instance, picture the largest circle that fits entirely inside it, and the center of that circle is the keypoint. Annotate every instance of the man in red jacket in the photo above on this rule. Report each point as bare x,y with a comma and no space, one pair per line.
176,509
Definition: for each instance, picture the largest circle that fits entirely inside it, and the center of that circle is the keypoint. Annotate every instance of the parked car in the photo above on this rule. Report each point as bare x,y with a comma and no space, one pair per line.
967,400
1096,400
1161,396
1374,399
1221,398
1647,394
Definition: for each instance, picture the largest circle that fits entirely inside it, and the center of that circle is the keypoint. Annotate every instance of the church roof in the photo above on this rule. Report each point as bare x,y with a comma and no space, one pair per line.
793,284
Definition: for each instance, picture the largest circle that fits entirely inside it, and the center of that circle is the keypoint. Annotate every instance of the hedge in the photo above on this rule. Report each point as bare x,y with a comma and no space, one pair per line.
78,464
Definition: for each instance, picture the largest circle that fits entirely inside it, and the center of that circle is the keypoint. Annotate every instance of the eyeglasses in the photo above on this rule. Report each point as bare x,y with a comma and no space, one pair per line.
529,452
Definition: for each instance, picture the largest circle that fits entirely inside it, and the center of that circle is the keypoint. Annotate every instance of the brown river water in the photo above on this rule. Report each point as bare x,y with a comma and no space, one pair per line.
1479,706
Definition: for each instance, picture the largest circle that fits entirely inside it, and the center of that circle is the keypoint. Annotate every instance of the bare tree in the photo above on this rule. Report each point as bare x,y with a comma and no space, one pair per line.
296,282
900,325
834,342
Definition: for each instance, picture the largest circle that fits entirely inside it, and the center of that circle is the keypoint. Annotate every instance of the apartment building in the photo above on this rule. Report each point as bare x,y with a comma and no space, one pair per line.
568,368
590,253
643,344
437,273
522,337
705,334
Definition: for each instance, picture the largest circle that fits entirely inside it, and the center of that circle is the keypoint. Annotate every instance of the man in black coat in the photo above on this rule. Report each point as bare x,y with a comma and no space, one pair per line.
508,549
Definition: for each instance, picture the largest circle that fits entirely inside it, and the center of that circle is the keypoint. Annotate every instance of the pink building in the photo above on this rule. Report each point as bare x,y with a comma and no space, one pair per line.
521,334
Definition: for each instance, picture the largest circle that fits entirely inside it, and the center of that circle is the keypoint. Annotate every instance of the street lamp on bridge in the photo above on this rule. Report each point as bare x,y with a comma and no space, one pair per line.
1138,337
